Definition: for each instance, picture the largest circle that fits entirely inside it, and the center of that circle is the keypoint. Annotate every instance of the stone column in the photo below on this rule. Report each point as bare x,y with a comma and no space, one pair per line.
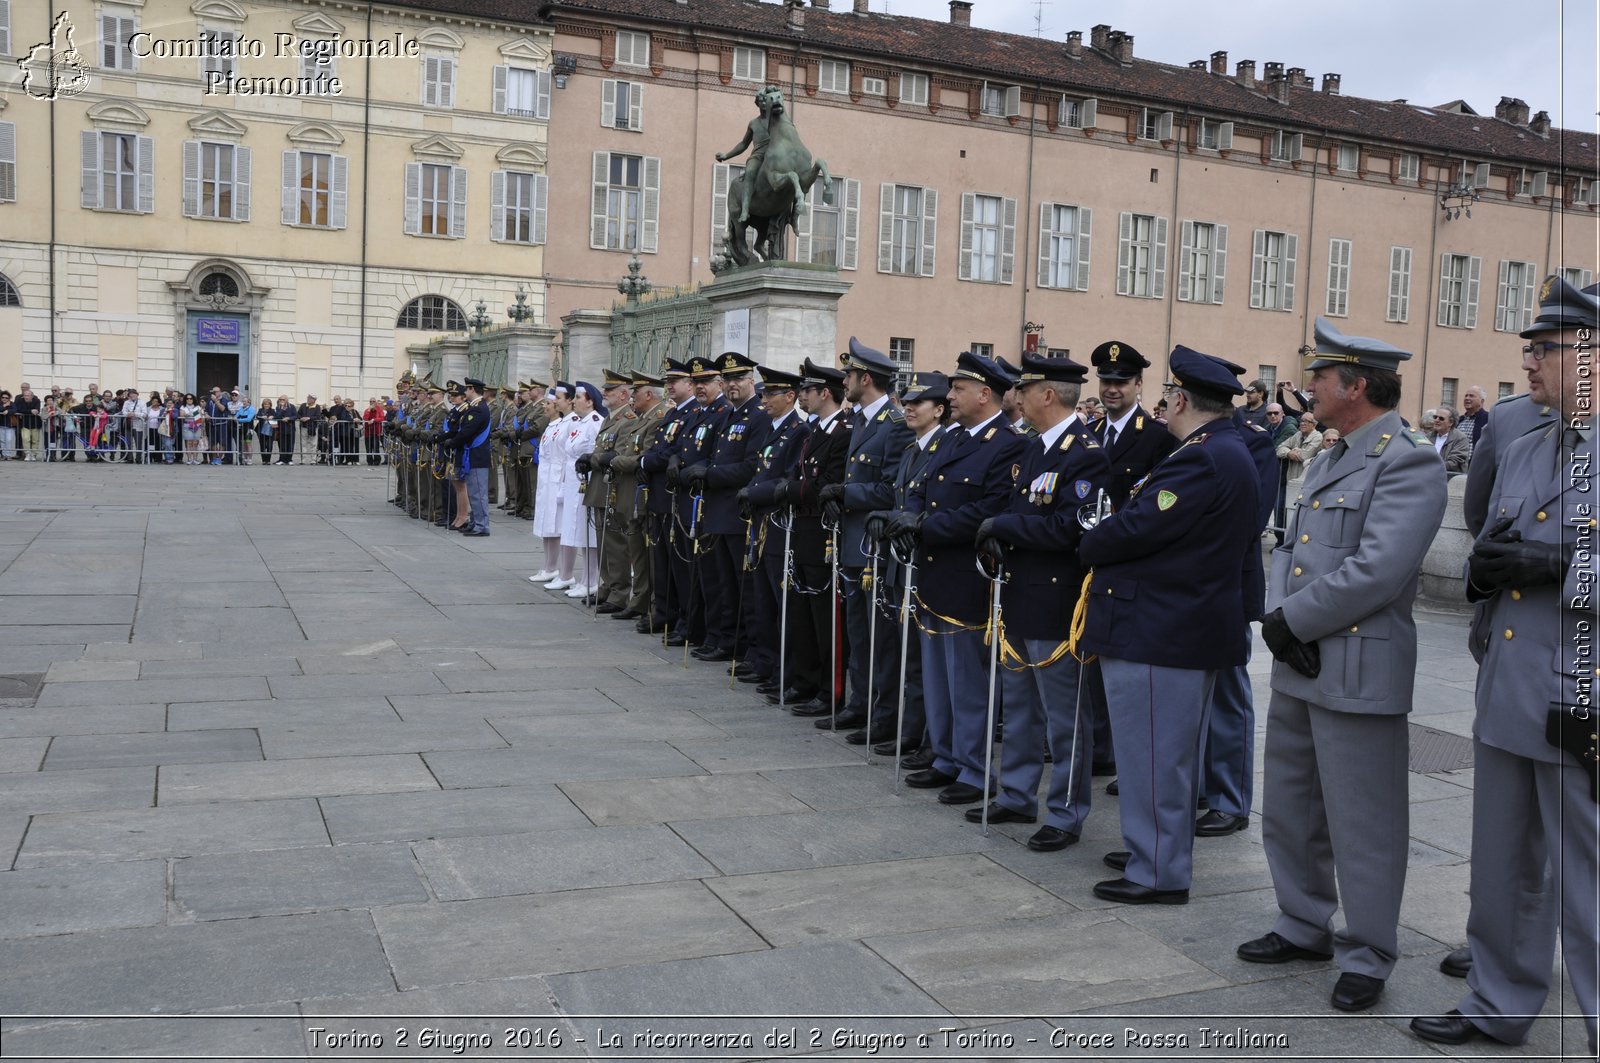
588,344
528,351
793,312
452,352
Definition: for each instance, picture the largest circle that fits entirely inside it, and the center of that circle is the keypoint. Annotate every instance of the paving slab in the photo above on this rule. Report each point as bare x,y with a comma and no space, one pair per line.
22,754
183,830
217,622
314,777
533,680
623,801
370,665
15,635
450,813
550,861
483,1011
500,705
173,747
342,686
456,941
81,719
73,791
761,754
858,785
209,671
511,767
277,1034
395,736
231,885
182,968
143,651
285,713
63,900
92,672
70,610
153,691
667,725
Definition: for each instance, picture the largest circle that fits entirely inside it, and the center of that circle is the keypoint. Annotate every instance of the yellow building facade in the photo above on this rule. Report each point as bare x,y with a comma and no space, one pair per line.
278,195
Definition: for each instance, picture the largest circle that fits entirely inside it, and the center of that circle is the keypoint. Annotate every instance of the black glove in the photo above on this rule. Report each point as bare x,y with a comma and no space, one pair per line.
832,509
1302,657
674,477
784,492
906,526
583,465
743,500
878,523
986,531
696,473
603,459
1505,563
831,493
904,544
991,550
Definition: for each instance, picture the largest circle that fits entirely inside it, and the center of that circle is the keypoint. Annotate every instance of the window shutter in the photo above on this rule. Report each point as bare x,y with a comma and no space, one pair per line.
1541,183
1474,274
458,202
5,31
721,178
497,205
1164,126
241,184
1527,296
886,228
1480,175
413,223
802,227
289,197
1258,270
930,229
1088,111
1444,289
89,176
597,199
650,205
1158,261
339,193
427,80
1125,253
1225,136
1046,216
1399,284
1502,298
1291,245
1185,263
541,208
1219,263
1013,101
8,151
964,263
1297,144
1008,239
1085,225
447,82
147,175
636,108
108,41
852,223
191,181
608,103
541,95
501,76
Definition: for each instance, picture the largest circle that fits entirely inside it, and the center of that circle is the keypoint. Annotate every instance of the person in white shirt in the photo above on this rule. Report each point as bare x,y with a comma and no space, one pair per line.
550,498
579,548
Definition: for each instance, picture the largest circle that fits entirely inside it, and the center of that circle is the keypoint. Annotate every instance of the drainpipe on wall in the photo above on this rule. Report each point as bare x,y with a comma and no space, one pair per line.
1429,307
1025,222
1175,239
366,164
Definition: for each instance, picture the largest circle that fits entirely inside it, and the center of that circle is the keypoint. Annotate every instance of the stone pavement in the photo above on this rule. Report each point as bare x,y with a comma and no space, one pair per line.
273,756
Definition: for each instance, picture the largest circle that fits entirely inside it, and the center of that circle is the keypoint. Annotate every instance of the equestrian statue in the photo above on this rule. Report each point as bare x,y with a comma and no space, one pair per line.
771,192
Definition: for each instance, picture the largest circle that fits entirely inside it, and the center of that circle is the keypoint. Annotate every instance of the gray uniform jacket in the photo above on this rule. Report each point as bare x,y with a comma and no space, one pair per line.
1535,650
1509,419
1346,574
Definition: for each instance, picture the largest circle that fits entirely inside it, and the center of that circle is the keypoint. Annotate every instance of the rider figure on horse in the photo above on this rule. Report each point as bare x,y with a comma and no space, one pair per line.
756,137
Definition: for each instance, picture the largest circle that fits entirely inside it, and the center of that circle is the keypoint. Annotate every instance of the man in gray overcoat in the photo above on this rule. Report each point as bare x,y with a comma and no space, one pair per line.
1335,820
1534,793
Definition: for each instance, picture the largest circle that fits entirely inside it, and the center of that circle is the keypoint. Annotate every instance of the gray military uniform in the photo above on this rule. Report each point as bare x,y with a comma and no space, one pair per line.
1336,748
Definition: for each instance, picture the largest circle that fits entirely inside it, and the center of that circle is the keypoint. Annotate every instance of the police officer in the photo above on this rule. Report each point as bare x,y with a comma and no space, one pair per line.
776,463
470,442
878,437
629,491
1534,812
968,479
669,597
695,442
1062,470
1335,819
1012,402
1165,610
727,466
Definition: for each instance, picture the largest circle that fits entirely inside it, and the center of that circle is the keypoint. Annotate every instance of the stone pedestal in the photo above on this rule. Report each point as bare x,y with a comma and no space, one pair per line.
529,352
792,310
1442,581
588,346
450,357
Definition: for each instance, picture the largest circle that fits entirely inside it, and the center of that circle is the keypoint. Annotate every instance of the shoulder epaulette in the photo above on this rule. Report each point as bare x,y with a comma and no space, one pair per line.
1383,441
1066,442
1138,423
895,415
1417,438
989,435
1255,427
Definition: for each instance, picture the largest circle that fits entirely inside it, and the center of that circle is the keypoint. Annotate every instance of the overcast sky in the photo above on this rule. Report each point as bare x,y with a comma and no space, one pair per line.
1543,51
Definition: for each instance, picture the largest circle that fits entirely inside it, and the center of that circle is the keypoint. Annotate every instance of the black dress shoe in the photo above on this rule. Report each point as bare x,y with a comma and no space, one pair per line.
814,707
607,609
1103,767
921,760
1273,947
745,668
626,614
1124,892
793,696
712,654
960,793
643,626
677,640
998,813
877,738
476,534
768,687
753,678
929,779
1118,860
1111,787
1048,839
1215,824
1356,992
886,748
1451,1029
844,721
1457,964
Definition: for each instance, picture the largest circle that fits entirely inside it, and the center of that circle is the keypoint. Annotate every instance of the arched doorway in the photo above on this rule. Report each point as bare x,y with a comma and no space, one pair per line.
219,315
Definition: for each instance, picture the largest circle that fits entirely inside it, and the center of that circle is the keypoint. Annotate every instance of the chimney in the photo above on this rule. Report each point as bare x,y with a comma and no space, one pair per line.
1297,76
1245,73
1075,44
1219,63
960,12
861,7
1197,64
1100,37
1540,126
1122,47
1510,109
1330,84
820,5
797,14
1272,72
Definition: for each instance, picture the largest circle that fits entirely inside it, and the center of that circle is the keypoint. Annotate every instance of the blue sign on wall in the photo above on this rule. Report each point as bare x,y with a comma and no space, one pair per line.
216,330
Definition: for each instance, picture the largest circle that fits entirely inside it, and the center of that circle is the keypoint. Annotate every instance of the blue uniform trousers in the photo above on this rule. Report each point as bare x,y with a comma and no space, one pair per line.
1046,708
478,498
1230,762
1158,722
1094,690
955,697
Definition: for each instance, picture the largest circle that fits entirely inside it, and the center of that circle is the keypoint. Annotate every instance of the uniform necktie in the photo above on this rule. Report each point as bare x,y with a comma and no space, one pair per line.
1571,439
1111,435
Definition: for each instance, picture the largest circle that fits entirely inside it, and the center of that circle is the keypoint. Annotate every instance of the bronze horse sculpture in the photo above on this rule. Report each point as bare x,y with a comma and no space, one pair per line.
771,192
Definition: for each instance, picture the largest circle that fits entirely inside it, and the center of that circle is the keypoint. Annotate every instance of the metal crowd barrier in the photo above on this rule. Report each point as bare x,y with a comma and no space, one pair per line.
118,438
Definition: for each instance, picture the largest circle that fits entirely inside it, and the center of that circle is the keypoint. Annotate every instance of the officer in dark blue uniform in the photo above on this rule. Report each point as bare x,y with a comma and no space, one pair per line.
926,402
968,479
666,610
1165,610
878,437
700,431
1134,441
775,463
730,464
1012,403
1063,469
